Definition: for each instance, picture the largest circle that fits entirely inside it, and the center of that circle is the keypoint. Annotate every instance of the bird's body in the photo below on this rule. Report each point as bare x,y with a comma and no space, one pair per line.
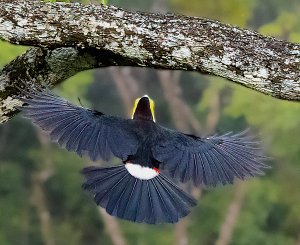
146,133
138,189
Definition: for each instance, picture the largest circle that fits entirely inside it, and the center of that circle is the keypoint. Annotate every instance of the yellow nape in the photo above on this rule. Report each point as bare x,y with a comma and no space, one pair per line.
152,106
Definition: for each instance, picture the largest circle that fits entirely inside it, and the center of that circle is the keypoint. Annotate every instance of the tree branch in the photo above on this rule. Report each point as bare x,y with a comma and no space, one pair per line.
127,86
112,228
39,177
232,215
89,36
182,116
47,66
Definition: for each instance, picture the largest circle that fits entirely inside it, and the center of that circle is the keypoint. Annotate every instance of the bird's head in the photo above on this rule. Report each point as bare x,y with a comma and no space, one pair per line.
143,109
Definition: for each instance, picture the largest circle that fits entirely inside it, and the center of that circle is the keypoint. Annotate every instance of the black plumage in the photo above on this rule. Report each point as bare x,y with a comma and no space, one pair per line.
143,194
209,161
151,201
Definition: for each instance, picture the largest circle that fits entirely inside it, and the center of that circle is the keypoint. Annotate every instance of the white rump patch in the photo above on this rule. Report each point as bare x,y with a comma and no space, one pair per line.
140,172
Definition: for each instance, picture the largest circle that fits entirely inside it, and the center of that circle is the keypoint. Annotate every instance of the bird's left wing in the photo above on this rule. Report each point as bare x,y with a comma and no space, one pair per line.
78,129
208,161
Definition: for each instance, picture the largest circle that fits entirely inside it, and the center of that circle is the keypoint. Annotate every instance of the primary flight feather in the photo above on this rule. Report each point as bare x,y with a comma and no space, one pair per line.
137,190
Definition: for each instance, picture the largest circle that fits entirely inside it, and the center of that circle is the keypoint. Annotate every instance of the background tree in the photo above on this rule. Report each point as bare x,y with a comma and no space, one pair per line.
269,209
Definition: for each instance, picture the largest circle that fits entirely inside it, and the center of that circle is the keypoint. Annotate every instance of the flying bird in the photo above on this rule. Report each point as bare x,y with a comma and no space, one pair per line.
154,158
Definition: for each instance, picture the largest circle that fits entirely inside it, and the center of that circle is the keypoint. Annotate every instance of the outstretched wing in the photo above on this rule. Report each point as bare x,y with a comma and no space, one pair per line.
209,161
78,129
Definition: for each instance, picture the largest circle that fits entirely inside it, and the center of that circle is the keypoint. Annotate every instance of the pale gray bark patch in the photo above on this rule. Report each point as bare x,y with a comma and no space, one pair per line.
164,41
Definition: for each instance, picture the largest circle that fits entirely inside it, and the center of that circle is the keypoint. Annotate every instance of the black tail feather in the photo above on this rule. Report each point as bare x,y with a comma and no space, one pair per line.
152,201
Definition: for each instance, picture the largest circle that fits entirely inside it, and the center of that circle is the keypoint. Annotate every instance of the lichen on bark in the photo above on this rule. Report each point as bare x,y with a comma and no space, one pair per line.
75,37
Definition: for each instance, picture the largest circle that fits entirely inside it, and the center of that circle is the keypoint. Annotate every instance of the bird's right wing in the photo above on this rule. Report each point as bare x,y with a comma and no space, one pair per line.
78,129
208,161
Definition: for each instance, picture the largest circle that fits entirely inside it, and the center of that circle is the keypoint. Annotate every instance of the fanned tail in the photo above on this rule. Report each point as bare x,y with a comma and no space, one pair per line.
152,201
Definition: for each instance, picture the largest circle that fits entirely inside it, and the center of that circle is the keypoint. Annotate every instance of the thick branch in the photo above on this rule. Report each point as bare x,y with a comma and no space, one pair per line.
81,37
167,41
49,67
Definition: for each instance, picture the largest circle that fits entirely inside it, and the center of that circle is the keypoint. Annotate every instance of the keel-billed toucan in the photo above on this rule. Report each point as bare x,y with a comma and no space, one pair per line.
142,188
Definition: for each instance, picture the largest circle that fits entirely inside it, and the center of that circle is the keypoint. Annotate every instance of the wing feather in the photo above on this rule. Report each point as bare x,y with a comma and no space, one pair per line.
209,161
78,129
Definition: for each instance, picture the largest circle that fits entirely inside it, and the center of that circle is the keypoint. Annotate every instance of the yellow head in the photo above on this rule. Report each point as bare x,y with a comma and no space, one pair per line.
143,109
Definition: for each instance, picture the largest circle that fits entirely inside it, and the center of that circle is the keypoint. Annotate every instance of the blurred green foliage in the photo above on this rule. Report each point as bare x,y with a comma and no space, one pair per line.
9,52
270,213
235,12
54,1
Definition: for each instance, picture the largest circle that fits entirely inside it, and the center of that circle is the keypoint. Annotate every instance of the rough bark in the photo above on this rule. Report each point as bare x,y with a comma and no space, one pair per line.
122,37
47,66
